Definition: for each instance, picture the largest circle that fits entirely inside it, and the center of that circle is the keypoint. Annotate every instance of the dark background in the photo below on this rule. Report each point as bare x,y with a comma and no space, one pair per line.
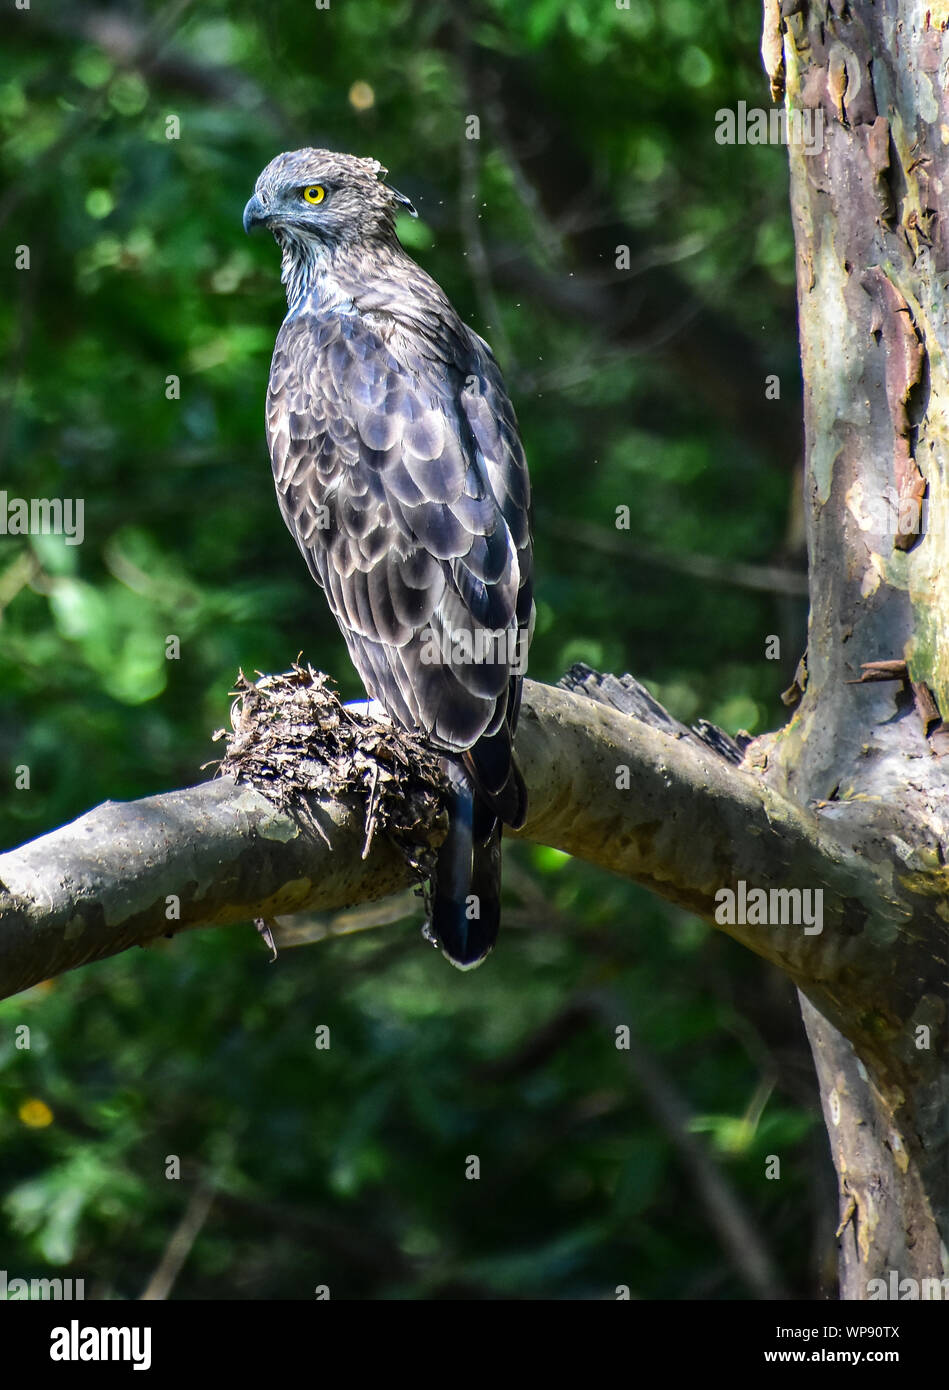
642,387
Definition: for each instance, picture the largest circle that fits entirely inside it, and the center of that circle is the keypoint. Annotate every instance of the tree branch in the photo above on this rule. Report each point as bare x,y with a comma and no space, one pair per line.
689,824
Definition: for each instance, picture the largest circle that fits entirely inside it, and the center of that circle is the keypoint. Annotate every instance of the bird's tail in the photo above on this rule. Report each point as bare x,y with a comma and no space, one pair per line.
466,887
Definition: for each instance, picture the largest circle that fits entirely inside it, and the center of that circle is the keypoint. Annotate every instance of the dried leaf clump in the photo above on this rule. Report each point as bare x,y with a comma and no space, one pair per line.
296,742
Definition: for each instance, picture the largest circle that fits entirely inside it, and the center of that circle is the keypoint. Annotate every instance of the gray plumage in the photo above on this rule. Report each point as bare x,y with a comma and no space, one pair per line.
401,476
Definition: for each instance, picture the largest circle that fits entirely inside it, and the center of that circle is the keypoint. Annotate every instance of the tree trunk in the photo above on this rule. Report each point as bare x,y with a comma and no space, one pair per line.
869,203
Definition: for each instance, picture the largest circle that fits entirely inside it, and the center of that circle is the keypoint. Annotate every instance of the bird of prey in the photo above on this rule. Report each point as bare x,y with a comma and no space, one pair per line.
401,476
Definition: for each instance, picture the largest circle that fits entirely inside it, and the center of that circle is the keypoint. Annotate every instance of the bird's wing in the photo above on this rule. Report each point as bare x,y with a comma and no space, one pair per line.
403,481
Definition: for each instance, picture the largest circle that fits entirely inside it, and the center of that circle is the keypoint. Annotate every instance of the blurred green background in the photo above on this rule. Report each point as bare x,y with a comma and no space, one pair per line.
643,387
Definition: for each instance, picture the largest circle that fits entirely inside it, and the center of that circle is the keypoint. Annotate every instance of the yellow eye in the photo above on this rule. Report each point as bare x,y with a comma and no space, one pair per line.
316,194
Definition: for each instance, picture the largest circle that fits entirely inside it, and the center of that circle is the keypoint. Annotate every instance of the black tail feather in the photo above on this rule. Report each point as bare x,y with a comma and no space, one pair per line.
498,778
466,888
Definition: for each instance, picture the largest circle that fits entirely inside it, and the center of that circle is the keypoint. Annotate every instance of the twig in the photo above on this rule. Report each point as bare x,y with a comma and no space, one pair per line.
181,1243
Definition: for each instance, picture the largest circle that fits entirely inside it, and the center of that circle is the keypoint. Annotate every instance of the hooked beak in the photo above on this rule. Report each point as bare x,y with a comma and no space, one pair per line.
255,214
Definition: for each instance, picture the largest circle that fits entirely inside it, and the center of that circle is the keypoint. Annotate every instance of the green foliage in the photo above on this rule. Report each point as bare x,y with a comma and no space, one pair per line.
346,1166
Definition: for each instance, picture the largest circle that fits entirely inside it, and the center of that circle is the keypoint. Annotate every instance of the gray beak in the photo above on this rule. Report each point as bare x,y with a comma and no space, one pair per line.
255,214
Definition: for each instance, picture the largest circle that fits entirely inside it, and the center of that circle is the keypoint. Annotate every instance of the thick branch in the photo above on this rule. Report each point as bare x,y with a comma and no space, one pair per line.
689,824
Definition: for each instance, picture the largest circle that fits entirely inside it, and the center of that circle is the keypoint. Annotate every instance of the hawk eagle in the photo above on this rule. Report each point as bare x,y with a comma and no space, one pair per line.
401,476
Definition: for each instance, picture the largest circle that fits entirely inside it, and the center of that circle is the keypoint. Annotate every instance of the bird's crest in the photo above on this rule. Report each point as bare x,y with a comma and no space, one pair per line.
310,165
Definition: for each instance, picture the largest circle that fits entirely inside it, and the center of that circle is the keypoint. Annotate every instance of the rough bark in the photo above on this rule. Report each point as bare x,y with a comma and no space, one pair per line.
869,210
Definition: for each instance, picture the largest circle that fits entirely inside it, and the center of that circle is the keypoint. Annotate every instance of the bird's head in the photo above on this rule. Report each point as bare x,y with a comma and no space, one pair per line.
325,199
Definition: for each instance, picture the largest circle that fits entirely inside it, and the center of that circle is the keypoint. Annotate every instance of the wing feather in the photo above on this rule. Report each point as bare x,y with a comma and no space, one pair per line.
401,476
